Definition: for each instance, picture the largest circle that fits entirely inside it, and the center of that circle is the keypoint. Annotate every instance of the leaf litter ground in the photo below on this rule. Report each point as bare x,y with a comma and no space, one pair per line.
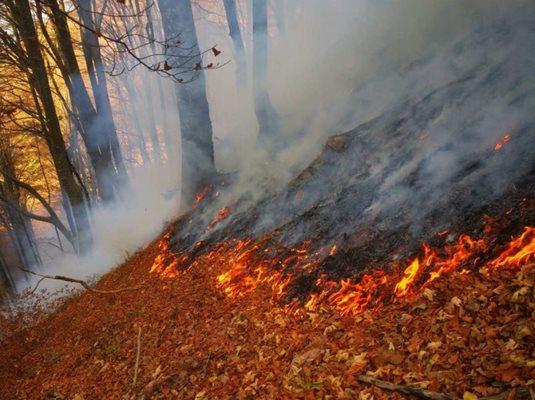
465,333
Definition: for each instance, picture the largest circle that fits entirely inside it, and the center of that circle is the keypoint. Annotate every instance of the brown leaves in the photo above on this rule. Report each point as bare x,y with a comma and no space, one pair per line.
474,335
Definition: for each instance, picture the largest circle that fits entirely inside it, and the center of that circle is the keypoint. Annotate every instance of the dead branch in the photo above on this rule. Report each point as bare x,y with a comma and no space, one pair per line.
84,284
138,353
520,393
420,393
206,364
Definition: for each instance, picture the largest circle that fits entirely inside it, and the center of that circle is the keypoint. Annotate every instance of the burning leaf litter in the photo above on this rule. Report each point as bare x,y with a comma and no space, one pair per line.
211,331
250,265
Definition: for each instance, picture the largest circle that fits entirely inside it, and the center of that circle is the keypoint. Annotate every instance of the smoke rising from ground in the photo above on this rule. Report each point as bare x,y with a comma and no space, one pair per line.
339,65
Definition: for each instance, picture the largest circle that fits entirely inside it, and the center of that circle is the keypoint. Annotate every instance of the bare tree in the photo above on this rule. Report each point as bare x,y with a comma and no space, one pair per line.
267,116
237,42
198,165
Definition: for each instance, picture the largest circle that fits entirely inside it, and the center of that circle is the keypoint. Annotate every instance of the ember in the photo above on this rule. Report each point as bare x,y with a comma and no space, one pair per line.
221,215
502,142
201,195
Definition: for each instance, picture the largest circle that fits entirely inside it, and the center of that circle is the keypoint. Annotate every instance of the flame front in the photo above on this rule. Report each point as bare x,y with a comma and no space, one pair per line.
265,265
519,251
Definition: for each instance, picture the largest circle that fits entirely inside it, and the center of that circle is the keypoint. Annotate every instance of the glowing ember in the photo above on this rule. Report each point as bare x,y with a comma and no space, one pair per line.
502,142
201,195
333,250
221,215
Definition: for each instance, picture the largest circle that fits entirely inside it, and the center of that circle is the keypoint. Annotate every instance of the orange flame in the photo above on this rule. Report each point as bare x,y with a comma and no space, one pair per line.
502,142
519,251
221,215
409,276
201,195
165,262
249,266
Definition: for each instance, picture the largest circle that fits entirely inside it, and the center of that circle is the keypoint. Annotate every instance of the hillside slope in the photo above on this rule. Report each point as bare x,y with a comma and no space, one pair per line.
465,332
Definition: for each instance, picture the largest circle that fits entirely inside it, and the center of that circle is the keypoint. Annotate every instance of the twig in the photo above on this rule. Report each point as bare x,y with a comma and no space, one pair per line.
426,394
84,284
420,393
206,364
37,285
138,353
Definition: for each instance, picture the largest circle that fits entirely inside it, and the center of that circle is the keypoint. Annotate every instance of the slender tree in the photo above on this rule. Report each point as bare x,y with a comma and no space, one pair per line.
198,165
267,116
97,127
13,218
237,42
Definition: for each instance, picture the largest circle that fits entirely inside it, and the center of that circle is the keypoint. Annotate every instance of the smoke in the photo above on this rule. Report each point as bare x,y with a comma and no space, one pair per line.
439,82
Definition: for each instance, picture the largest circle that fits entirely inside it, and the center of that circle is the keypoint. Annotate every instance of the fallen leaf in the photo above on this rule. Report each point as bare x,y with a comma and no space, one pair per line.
469,396
308,356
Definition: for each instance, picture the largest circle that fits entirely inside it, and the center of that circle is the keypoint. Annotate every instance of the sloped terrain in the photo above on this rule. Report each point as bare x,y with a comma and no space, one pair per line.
403,252
468,331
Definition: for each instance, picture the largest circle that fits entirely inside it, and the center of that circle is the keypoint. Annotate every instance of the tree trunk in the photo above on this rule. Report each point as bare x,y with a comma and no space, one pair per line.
97,126
169,148
237,42
72,194
266,115
97,75
198,166
280,17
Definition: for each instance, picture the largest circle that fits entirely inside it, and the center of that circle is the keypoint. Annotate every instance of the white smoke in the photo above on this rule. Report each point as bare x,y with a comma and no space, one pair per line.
339,64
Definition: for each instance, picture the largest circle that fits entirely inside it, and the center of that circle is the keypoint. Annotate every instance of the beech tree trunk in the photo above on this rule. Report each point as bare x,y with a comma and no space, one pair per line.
237,42
266,115
18,225
97,126
198,166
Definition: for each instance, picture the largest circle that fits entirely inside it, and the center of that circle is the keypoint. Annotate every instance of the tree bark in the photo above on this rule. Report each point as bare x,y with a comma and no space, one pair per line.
198,165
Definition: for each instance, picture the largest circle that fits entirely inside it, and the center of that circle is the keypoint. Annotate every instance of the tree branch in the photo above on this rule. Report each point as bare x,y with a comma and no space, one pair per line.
84,284
427,394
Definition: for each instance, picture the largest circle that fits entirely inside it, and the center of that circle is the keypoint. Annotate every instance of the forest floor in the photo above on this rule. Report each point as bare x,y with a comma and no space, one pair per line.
468,334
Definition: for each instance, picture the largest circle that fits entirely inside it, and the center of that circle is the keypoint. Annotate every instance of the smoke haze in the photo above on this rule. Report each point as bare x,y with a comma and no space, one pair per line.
342,64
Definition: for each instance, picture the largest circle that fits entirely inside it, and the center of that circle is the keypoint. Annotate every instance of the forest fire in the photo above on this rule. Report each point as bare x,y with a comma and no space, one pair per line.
250,265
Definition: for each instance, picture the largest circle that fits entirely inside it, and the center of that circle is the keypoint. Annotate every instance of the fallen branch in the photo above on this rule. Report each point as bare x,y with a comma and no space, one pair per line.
138,353
420,393
84,284
519,393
